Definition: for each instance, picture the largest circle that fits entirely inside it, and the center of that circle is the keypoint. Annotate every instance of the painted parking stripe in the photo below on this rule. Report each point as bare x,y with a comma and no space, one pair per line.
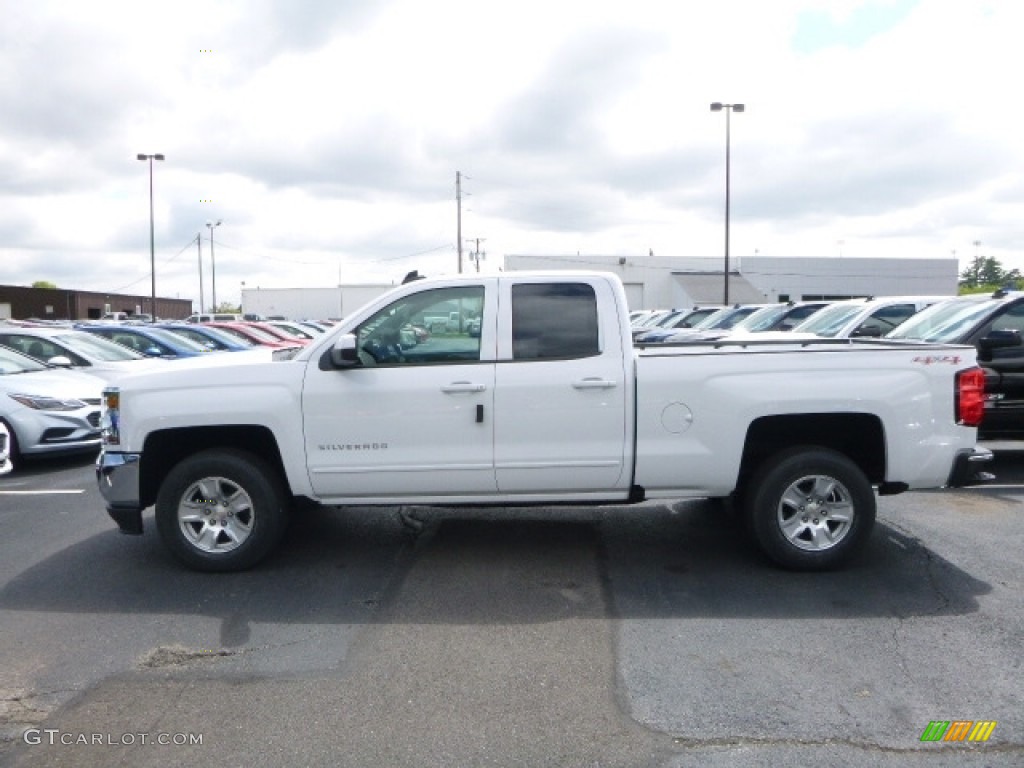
40,493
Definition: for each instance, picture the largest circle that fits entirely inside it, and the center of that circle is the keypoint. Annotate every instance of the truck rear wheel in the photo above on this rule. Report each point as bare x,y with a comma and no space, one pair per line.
221,510
810,508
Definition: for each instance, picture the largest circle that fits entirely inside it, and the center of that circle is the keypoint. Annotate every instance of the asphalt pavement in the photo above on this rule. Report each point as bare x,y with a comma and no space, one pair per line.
628,636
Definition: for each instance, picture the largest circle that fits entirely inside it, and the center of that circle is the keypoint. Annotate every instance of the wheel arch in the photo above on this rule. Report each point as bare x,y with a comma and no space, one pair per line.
858,436
165,448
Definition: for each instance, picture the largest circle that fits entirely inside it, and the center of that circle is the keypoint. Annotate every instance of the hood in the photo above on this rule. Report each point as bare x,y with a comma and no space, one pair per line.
53,383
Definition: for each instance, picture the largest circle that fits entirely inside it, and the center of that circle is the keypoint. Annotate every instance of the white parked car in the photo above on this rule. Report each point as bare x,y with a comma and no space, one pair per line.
86,352
47,410
864,317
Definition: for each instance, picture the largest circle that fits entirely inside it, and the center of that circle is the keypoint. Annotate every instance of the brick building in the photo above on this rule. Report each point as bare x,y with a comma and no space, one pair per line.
21,302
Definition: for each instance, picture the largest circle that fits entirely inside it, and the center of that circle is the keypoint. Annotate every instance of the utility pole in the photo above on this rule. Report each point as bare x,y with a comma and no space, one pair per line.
199,247
458,202
477,254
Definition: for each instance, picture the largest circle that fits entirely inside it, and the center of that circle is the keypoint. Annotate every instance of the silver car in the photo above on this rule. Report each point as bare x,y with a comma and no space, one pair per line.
68,348
47,411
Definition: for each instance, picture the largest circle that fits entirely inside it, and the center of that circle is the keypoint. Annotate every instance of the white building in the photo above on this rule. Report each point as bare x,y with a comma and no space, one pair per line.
310,303
654,282
670,281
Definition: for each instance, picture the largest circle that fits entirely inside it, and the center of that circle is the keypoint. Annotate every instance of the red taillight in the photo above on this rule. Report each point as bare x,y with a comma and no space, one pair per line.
970,397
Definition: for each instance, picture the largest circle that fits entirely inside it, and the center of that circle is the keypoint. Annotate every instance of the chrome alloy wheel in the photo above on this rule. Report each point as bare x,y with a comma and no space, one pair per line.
215,515
815,513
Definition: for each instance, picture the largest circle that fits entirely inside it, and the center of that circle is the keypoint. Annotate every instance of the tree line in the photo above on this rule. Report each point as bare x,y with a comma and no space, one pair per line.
985,274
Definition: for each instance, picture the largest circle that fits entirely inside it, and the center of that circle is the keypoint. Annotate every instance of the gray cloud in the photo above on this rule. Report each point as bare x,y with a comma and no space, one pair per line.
557,116
874,165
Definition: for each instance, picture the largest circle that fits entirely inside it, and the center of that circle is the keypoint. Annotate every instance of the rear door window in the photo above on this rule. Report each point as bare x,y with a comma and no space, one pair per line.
554,320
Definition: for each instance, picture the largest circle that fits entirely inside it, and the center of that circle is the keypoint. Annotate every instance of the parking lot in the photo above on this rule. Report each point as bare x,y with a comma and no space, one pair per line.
626,636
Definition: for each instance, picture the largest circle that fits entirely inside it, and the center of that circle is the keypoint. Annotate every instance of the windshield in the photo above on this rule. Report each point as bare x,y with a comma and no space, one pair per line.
946,322
724,319
173,340
763,319
95,347
249,333
13,362
210,336
829,321
650,320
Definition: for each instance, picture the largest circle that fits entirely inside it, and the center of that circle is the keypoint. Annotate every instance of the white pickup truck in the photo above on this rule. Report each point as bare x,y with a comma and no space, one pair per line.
546,403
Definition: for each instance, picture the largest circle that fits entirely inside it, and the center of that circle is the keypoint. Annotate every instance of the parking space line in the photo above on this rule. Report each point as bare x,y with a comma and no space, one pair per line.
40,493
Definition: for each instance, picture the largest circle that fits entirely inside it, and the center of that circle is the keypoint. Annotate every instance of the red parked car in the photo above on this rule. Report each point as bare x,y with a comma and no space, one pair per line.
257,336
278,333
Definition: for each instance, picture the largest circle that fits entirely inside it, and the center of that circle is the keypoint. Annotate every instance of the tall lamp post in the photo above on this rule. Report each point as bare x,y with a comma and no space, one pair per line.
729,108
152,245
213,264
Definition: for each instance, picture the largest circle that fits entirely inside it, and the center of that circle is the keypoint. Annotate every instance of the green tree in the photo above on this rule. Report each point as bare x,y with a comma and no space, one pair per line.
227,308
985,274
43,284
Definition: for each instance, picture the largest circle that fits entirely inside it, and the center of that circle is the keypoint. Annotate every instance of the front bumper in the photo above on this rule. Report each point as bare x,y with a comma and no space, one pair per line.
117,475
968,468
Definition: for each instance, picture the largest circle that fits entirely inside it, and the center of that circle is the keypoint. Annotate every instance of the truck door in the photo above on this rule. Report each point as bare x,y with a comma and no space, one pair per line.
415,418
561,388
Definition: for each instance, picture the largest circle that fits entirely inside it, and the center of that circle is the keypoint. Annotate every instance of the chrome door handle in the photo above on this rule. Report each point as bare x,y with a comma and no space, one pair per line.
462,386
593,383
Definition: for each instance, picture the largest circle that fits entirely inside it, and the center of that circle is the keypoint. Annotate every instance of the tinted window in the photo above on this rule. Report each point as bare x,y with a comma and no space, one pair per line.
1010,320
554,320
887,318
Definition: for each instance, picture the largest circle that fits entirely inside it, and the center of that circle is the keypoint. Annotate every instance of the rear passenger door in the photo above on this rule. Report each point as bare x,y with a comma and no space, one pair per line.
561,388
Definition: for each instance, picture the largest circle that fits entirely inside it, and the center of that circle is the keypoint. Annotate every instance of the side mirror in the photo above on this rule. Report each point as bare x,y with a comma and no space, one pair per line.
868,331
997,340
61,361
152,352
344,353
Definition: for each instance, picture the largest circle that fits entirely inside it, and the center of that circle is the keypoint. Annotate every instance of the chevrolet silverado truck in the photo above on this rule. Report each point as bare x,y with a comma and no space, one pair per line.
548,403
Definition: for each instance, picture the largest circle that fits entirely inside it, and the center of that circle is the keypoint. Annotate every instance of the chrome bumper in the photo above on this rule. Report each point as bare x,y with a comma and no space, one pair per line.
117,475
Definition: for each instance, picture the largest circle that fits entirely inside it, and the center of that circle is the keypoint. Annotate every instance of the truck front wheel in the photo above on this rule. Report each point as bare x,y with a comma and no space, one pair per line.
810,508
221,510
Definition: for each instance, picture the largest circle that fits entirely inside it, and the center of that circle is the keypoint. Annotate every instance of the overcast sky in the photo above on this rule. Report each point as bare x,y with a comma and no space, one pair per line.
326,134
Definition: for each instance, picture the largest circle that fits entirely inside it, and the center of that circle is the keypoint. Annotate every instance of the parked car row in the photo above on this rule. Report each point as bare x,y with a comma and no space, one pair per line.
52,376
850,318
992,323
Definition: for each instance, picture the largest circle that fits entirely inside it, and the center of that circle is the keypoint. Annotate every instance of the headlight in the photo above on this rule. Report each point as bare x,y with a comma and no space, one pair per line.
110,416
43,403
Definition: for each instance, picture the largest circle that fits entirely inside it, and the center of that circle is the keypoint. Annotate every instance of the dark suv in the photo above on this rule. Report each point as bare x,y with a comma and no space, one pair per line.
993,323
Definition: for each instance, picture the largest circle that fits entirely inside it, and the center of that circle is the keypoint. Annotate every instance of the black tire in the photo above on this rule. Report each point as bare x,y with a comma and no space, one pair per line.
221,510
12,445
810,508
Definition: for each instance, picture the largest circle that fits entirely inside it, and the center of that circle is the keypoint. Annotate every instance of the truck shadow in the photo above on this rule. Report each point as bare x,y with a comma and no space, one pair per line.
498,566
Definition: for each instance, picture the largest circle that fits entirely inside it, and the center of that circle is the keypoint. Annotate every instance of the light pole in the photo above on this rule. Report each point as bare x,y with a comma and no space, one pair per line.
729,108
213,264
152,246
